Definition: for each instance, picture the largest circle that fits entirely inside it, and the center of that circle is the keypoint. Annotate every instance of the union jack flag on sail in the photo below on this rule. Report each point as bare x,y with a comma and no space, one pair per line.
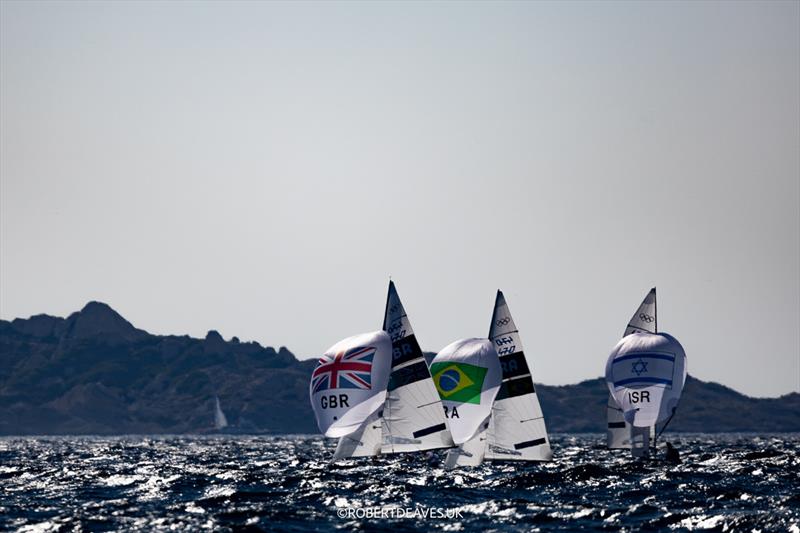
351,369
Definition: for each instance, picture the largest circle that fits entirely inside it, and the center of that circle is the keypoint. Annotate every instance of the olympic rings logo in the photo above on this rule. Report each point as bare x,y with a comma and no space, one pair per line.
646,318
502,322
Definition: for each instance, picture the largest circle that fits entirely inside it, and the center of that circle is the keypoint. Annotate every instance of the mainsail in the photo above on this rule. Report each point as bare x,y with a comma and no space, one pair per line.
348,388
412,418
644,320
467,375
516,430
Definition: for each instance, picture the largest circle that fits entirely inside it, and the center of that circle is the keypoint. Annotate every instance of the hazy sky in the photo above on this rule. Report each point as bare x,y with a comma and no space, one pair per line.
263,168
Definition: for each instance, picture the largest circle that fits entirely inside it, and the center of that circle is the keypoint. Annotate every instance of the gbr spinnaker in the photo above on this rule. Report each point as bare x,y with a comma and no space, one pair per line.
621,434
645,374
467,375
412,418
348,388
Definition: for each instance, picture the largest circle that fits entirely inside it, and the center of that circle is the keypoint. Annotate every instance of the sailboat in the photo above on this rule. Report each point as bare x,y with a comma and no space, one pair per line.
621,433
411,418
467,375
348,389
516,429
220,420
645,374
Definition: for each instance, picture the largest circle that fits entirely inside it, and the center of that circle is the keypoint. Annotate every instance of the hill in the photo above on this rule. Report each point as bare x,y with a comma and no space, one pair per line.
95,373
705,407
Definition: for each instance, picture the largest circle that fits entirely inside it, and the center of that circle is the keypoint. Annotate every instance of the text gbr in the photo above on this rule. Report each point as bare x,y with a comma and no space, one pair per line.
333,401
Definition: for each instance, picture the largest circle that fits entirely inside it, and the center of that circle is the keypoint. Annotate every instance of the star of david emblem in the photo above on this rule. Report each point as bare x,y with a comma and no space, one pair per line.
639,367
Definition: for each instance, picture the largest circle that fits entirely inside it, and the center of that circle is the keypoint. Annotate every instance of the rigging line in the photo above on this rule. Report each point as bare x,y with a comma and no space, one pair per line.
665,426
655,312
386,309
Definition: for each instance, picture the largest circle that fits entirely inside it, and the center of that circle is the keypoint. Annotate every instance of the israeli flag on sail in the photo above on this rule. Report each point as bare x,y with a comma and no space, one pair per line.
643,369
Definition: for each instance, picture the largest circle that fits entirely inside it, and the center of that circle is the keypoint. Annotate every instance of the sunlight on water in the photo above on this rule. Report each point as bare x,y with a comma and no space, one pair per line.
726,482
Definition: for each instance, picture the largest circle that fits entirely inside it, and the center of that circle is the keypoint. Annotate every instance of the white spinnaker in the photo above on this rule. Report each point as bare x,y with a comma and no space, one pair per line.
349,382
516,430
413,418
364,442
645,373
644,320
467,377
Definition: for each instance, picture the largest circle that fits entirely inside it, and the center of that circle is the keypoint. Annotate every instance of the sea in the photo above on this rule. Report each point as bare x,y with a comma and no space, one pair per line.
730,482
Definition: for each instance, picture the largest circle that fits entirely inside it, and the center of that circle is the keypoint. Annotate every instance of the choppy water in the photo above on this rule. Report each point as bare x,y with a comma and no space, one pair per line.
727,482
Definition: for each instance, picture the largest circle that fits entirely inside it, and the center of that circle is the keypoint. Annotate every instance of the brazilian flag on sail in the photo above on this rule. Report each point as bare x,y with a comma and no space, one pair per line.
458,382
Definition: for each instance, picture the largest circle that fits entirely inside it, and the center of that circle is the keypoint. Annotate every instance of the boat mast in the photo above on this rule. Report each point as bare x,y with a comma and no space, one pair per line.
655,307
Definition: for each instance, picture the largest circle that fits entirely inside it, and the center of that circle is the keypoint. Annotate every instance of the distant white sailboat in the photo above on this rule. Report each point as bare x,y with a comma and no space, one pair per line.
220,420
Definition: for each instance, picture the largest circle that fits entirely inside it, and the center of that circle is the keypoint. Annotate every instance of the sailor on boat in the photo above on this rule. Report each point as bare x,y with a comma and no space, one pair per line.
672,454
